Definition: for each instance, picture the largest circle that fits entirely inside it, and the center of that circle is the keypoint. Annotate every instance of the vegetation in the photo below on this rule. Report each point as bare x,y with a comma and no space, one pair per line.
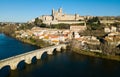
9,29
93,54
108,49
94,24
96,33
117,24
61,26
33,41
94,28
0,29
38,22
25,26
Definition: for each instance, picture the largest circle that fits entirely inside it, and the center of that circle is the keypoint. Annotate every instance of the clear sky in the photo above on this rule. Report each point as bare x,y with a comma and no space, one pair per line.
24,10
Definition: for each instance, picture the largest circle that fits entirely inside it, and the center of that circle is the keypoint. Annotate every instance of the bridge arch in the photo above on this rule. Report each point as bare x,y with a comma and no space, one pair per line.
5,70
12,64
34,60
39,54
4,67
21,65
44,55
54,51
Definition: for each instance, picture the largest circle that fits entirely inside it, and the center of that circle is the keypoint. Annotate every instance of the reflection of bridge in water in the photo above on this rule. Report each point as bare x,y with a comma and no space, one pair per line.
27,57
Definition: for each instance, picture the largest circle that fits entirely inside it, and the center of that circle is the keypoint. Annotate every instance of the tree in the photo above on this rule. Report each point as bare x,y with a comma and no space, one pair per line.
25,26
9,29
43,25
38,22
107,48
61,26
94,24
93,20
116,24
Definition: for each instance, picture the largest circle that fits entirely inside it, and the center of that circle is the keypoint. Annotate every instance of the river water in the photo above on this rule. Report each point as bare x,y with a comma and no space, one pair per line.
64,64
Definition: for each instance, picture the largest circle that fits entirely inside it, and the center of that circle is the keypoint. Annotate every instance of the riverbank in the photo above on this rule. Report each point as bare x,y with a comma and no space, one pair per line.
99,55
42,44
31,41
36,42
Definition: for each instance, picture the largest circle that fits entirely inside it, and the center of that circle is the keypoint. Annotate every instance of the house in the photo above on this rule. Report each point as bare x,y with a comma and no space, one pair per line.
76,35
77,28
113,29
108,30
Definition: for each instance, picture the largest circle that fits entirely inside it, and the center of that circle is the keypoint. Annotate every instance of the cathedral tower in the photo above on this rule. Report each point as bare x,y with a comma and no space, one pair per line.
53,12
60,10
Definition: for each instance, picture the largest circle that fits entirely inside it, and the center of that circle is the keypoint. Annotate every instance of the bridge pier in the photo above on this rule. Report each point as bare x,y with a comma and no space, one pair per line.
50,52
28,60
58,49
64,47
38,55
13,66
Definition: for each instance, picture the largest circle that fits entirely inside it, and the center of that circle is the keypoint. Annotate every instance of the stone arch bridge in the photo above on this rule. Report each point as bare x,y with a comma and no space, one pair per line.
27,57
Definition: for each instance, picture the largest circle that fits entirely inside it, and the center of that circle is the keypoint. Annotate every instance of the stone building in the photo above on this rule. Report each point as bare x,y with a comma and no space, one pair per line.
78,28
108,30
59,17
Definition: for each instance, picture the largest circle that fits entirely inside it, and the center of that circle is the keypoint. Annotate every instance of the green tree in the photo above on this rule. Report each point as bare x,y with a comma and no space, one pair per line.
25,26
43,25
38,22
61,26
94,23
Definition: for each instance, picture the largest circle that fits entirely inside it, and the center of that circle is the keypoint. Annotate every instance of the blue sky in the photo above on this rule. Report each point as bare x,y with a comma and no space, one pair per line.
24,10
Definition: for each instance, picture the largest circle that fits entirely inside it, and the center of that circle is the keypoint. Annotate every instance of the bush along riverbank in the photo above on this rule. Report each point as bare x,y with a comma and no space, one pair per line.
10,29
94,54
75,47
32,41
37,42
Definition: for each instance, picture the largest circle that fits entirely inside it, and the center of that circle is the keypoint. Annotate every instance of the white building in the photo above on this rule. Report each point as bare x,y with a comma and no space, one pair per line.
112,29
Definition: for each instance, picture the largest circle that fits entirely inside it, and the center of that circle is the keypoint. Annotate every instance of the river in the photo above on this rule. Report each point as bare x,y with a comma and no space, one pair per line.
64,64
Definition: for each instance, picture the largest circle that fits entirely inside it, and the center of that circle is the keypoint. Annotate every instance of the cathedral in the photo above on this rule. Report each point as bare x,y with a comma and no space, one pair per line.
58,17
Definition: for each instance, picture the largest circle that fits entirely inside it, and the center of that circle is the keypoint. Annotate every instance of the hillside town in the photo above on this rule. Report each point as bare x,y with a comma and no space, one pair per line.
59,38
88,33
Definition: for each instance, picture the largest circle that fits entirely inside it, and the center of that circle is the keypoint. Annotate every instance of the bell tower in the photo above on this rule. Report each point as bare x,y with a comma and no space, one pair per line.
53,12
60,10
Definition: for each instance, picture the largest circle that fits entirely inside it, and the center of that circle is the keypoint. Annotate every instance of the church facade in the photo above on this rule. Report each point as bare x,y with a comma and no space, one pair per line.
58,17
